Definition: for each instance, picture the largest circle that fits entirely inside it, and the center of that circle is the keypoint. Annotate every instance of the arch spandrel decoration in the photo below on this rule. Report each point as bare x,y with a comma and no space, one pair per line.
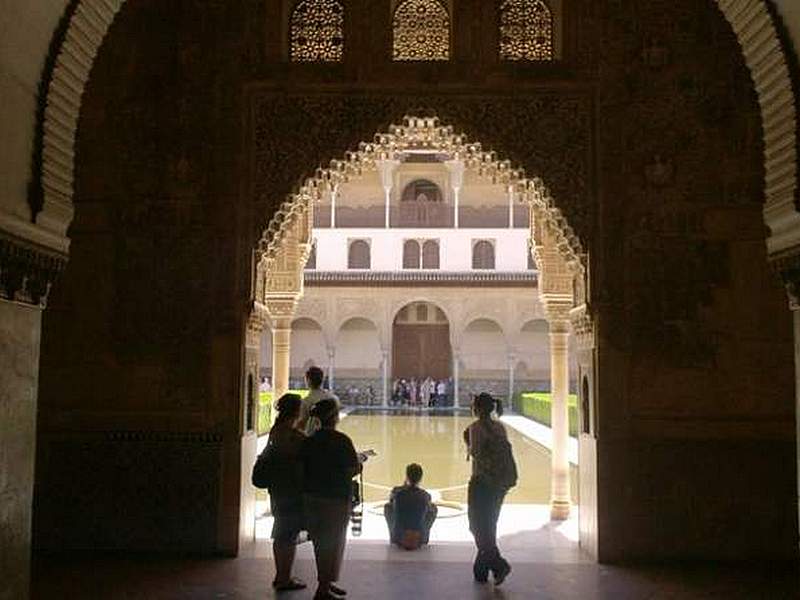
750,19
316,31
421,31
526,30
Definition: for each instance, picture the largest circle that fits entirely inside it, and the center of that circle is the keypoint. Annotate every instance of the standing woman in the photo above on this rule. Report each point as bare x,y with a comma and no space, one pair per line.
286,490
330,463
493,473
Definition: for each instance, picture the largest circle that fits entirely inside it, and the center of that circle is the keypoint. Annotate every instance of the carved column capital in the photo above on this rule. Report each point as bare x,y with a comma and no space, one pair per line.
27,271
281,311
788,267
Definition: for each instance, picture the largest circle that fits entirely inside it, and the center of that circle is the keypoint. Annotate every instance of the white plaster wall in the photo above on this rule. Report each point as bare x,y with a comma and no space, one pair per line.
26,30
20,330
484,349
357,350
455,247
308,345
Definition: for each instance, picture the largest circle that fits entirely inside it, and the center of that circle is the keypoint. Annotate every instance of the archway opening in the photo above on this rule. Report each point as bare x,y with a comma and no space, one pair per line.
421,345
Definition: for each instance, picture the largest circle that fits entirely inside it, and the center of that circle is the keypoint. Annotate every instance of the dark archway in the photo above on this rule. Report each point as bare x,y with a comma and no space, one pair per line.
421,343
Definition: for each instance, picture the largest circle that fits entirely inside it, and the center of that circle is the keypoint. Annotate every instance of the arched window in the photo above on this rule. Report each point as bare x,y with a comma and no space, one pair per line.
311,263
316,31
430,254
421,30
483,255
422,190
411,254
358,255
526,30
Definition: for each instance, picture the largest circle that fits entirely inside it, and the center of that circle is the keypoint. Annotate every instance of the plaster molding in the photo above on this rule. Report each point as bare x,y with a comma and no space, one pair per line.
27,271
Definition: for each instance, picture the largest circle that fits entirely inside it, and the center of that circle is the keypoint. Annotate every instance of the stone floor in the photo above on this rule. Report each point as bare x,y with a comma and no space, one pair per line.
374,571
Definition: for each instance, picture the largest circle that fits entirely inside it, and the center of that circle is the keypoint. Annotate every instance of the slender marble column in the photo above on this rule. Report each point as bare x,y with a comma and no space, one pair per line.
281,356
560,501
334,192
511,362
455,380
385,382
511,207
331,362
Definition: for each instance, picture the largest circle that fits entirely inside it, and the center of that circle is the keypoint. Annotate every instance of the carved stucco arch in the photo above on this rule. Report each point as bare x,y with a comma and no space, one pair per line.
751,20
426,133
502,328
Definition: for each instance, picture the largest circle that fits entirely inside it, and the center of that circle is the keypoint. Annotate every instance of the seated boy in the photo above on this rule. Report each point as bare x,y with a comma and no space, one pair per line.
410,513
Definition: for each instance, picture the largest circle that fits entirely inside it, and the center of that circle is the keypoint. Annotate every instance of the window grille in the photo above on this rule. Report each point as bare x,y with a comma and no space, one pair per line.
421,31
316,31
526,30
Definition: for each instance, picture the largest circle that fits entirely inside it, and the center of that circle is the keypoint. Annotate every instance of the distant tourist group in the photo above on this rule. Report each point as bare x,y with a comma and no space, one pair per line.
423,392
309,469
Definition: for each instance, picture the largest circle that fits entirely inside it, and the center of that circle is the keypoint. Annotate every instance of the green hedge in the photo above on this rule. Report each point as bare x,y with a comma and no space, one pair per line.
265,410
536,406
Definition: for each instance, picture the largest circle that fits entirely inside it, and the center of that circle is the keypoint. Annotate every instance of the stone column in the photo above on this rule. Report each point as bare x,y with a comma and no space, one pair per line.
385,367
512,360
510,206
456,401
331,363
386,168
334,193
281,356
560,501
456,168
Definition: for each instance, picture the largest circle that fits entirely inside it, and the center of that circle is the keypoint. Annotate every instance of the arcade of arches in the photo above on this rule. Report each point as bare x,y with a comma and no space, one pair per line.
653,145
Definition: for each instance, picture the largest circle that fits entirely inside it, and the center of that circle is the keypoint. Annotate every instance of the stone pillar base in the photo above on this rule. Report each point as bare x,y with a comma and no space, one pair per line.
559,510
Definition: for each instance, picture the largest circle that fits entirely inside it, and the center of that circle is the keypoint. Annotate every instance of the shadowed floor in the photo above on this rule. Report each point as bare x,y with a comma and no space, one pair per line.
248,578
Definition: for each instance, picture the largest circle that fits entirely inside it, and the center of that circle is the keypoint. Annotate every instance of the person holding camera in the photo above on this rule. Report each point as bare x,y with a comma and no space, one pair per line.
329,462
285,490
494,472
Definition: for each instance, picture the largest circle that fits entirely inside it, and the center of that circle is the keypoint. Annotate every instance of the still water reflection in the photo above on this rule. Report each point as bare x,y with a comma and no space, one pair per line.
436,443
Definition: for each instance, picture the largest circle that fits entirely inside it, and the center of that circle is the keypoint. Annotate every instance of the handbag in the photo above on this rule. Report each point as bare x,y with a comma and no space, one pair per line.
264,470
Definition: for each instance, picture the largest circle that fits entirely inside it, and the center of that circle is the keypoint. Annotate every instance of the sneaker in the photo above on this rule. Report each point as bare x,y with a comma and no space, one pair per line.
335,589
289,586
501,574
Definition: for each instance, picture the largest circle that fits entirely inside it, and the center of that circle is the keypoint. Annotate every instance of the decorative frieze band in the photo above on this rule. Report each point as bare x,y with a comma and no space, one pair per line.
26,271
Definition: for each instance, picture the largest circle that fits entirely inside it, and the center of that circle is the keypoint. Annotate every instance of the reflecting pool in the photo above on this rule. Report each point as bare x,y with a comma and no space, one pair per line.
436,442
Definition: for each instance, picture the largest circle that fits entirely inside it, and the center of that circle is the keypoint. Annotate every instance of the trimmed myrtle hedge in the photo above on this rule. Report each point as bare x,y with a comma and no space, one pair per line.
265,410
536,406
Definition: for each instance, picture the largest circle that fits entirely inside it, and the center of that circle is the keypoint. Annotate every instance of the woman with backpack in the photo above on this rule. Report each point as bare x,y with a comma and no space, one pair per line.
286,489
493,474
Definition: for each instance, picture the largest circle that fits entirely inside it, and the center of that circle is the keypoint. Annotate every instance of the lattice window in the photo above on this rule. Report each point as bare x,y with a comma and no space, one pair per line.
421,31
316,31
358,255
526,30
411,254
430,254
483,255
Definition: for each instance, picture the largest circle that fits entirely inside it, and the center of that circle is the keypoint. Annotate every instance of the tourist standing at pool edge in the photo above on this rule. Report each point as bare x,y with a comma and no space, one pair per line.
493,474
329,464
314,379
